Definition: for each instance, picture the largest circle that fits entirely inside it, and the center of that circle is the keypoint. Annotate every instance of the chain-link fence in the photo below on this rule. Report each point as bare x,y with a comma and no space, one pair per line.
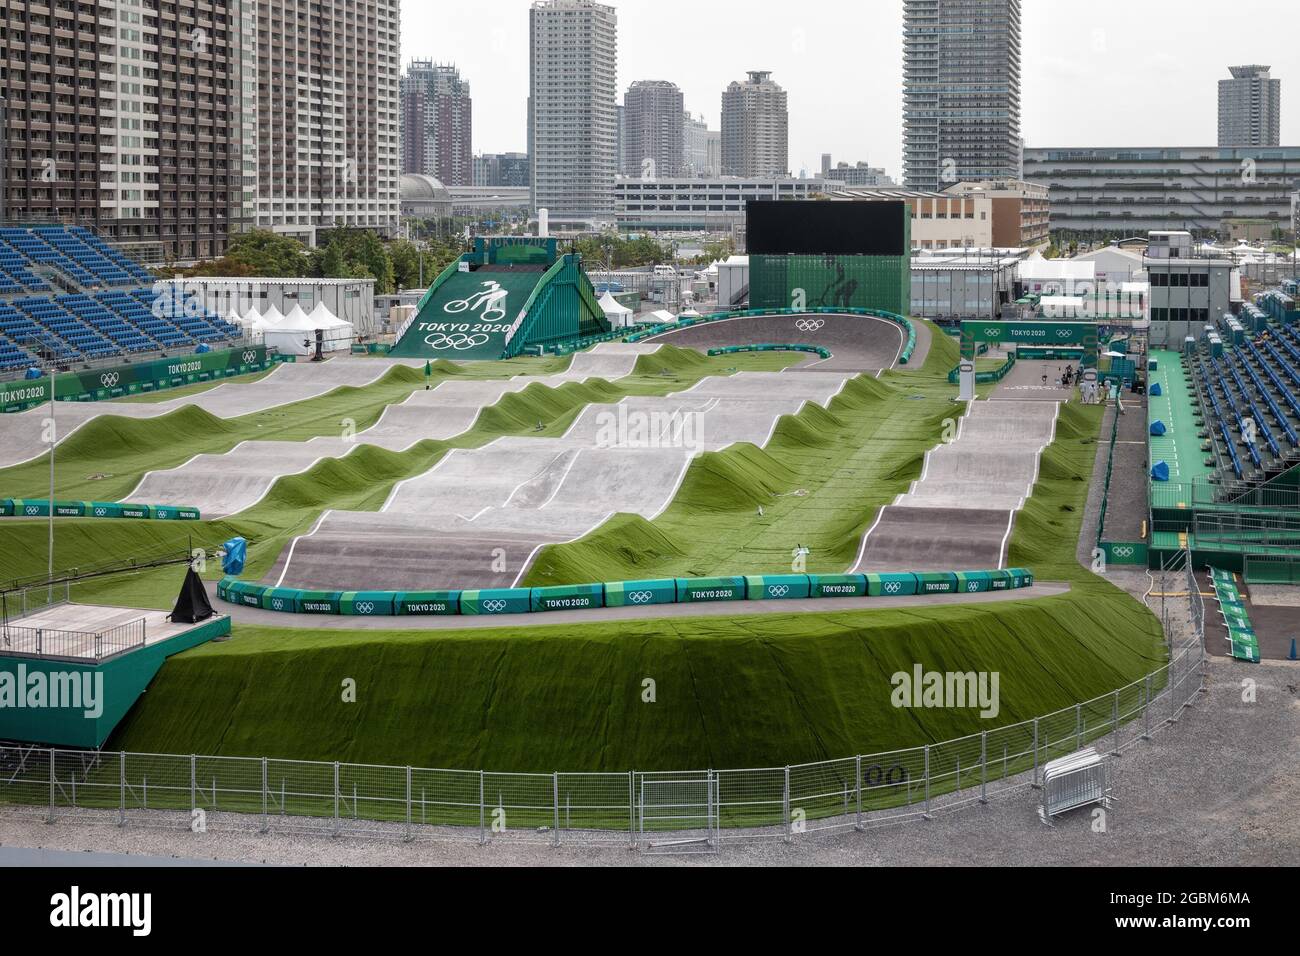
654,810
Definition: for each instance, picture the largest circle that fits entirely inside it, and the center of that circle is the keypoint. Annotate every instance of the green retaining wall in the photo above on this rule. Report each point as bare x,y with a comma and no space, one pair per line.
40,508
767,587
766,347
117,684
115,381
986,378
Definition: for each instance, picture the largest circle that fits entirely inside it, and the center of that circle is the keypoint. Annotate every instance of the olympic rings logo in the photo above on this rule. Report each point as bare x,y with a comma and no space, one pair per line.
1123,552
277,604
1063,333
641,597
100,512
366,607
972,586
108,379
30,509
494,606
249,358
809,325
457,341
778,590
993,333
893,587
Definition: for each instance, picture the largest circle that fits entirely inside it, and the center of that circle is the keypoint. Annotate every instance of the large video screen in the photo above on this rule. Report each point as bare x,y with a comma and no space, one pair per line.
813,227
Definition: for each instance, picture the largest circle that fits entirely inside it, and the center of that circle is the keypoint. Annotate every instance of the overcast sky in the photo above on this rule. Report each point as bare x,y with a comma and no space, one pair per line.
1095,72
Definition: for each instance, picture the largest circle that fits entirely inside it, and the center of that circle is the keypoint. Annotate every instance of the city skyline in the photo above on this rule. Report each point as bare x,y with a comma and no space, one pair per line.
1099,66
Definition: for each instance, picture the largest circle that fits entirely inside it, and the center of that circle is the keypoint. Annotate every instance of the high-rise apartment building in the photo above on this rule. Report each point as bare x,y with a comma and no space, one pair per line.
130,118
653,129
1250,108
501,169
961,92
328,145
437,123
755,128
572,120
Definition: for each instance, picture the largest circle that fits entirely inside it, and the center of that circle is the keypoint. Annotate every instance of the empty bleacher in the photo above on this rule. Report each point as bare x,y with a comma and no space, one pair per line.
68,295
1250,398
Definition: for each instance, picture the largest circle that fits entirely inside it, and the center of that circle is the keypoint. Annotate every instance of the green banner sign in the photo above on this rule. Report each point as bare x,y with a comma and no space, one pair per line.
1038,334
117,380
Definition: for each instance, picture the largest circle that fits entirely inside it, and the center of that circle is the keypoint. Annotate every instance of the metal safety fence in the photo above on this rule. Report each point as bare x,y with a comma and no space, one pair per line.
661,810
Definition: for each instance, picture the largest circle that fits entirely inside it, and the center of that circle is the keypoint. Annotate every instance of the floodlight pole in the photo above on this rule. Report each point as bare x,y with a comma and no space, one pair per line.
54,438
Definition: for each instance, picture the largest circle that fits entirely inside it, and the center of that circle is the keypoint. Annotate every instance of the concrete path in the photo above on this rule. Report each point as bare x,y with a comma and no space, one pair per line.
22,433
960,513
231,482
478,517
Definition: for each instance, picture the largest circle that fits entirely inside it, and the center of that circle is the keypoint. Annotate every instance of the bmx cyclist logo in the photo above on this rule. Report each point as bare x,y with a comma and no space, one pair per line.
490,303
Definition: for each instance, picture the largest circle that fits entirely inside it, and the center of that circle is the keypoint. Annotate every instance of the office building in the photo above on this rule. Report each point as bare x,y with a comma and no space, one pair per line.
961,92
686,204
701,147
1116,193
501,169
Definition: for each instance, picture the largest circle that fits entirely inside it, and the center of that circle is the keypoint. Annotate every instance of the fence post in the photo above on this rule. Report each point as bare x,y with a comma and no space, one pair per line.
984,766
1146,710
193,800
555,796
1078,726
1035,783
482,813
337,824
266,794
631,809
857,773
926,815
121,788
785,806
1114,723
50,817
407,836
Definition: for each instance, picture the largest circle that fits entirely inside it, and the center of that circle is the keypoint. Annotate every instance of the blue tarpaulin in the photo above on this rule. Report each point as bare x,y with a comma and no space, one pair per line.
1158,428
1156,390
236,553
1160,471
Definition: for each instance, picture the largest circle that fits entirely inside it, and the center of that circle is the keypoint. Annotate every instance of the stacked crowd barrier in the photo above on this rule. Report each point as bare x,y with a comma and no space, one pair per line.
1241,635
40,508
772,347
502,601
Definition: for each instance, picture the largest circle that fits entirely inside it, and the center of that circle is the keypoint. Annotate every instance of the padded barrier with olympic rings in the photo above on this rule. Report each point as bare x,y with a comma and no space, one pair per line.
754,587
904,356
765,347
40,508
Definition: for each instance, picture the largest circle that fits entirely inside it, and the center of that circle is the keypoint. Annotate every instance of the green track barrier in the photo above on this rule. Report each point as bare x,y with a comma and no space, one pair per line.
936,582
837,585
318,602
40,508
571,597
758,587
427,602
735,349
367,603
776,587
692,590
974,582
497,601
640,593
890,585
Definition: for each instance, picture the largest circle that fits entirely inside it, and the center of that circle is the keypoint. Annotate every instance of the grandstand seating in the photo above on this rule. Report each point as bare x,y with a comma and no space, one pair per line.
104,311
1251,400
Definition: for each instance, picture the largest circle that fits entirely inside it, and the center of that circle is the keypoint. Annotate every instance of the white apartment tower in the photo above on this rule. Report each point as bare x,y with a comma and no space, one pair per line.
755,128
328,131
572,118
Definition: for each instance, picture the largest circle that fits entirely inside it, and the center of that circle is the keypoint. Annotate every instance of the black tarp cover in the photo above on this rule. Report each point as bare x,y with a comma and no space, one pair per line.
192,604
